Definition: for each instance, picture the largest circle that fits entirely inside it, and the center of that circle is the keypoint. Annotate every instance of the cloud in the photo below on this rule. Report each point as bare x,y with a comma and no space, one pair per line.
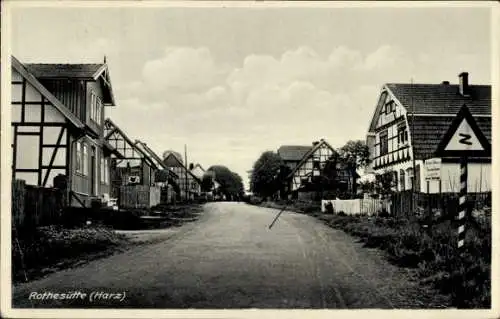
232,113
182,69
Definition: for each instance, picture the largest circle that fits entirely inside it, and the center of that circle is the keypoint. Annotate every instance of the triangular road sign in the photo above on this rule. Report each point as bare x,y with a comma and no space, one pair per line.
464,138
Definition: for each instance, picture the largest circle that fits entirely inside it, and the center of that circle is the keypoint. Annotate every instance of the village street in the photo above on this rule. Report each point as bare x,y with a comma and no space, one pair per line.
230,259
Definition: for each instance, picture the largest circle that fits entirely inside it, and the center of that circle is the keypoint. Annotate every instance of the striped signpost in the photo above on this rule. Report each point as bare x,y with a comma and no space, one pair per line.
463,140
462,202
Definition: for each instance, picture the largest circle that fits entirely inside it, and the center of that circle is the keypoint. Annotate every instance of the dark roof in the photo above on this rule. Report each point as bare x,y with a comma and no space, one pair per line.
293,152
48,70
442,98
428,131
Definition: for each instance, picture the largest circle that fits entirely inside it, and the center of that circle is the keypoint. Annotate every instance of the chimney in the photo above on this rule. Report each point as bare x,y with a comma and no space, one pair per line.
191,166
463,83
315,143
445,83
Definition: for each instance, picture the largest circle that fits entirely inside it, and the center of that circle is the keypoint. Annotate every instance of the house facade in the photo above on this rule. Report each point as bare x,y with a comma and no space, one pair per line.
189,184
134,166
410,121
57,128
313,165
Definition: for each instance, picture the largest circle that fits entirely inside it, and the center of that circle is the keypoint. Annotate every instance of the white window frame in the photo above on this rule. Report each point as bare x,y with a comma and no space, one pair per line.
85,159
78,158
102,170
98,110
92,105
107,169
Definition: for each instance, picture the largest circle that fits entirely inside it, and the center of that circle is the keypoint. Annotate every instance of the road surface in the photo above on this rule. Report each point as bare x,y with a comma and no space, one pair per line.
230,259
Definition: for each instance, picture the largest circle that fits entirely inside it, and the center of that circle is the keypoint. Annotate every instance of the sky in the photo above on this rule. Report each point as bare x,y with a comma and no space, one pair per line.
231,82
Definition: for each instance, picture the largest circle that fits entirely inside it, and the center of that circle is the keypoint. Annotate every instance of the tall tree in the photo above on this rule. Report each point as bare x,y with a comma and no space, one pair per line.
355,154
207,181
265,178
231,184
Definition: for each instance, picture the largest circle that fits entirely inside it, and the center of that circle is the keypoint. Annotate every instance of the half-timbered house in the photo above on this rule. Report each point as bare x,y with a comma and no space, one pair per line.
409,122
57,127
135,167
313,166
165,177
291,155
189,184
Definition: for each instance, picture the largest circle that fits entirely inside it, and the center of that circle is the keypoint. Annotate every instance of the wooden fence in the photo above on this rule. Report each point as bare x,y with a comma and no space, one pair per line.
446,204
368,206
139,196
35,206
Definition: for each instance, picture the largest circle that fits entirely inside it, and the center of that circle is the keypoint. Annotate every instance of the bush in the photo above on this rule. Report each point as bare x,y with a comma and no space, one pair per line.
50,245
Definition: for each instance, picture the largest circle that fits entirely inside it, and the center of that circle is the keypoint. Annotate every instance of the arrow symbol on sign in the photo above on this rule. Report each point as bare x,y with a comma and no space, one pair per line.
465,139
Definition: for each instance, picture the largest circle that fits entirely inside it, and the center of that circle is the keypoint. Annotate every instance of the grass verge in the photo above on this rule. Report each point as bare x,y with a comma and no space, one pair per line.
464,274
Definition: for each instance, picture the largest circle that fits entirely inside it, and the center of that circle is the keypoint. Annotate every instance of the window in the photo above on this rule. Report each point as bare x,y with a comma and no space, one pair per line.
103,170
389,107
106,170
95,108
402,134
85,160
402,180
384,143
78,162
316,164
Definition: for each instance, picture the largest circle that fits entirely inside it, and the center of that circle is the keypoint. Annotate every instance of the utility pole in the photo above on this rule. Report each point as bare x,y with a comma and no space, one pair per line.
186,172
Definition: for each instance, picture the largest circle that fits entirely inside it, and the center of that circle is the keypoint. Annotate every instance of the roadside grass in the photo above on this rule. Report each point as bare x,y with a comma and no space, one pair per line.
432,251
43,250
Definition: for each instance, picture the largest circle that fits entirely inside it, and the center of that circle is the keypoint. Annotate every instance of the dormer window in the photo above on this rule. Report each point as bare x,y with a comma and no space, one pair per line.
95,108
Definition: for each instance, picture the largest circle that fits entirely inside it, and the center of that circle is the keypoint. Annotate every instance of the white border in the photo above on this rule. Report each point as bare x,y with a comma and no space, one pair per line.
6,290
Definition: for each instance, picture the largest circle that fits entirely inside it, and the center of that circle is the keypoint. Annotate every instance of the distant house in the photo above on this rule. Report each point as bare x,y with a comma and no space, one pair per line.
312,167
291,155
409,122
135,167
165,177
57,124
172,177
189,184
197,170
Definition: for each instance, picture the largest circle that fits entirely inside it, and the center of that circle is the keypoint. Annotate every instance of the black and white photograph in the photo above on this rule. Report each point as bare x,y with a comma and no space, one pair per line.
237,155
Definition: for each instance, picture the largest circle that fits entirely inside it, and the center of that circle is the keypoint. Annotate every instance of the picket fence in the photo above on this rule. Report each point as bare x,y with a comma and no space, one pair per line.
365,206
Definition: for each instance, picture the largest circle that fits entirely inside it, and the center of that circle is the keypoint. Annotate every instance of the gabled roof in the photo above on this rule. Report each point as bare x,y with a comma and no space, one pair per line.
442,98
116,128
199,165
88,71
432,107
308,155
19,67
81,71
156,158
293,152
146,150
172,159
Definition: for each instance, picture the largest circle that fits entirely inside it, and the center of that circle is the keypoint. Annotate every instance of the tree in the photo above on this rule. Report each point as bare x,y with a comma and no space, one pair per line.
207,182
231,183
267,174
355,154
